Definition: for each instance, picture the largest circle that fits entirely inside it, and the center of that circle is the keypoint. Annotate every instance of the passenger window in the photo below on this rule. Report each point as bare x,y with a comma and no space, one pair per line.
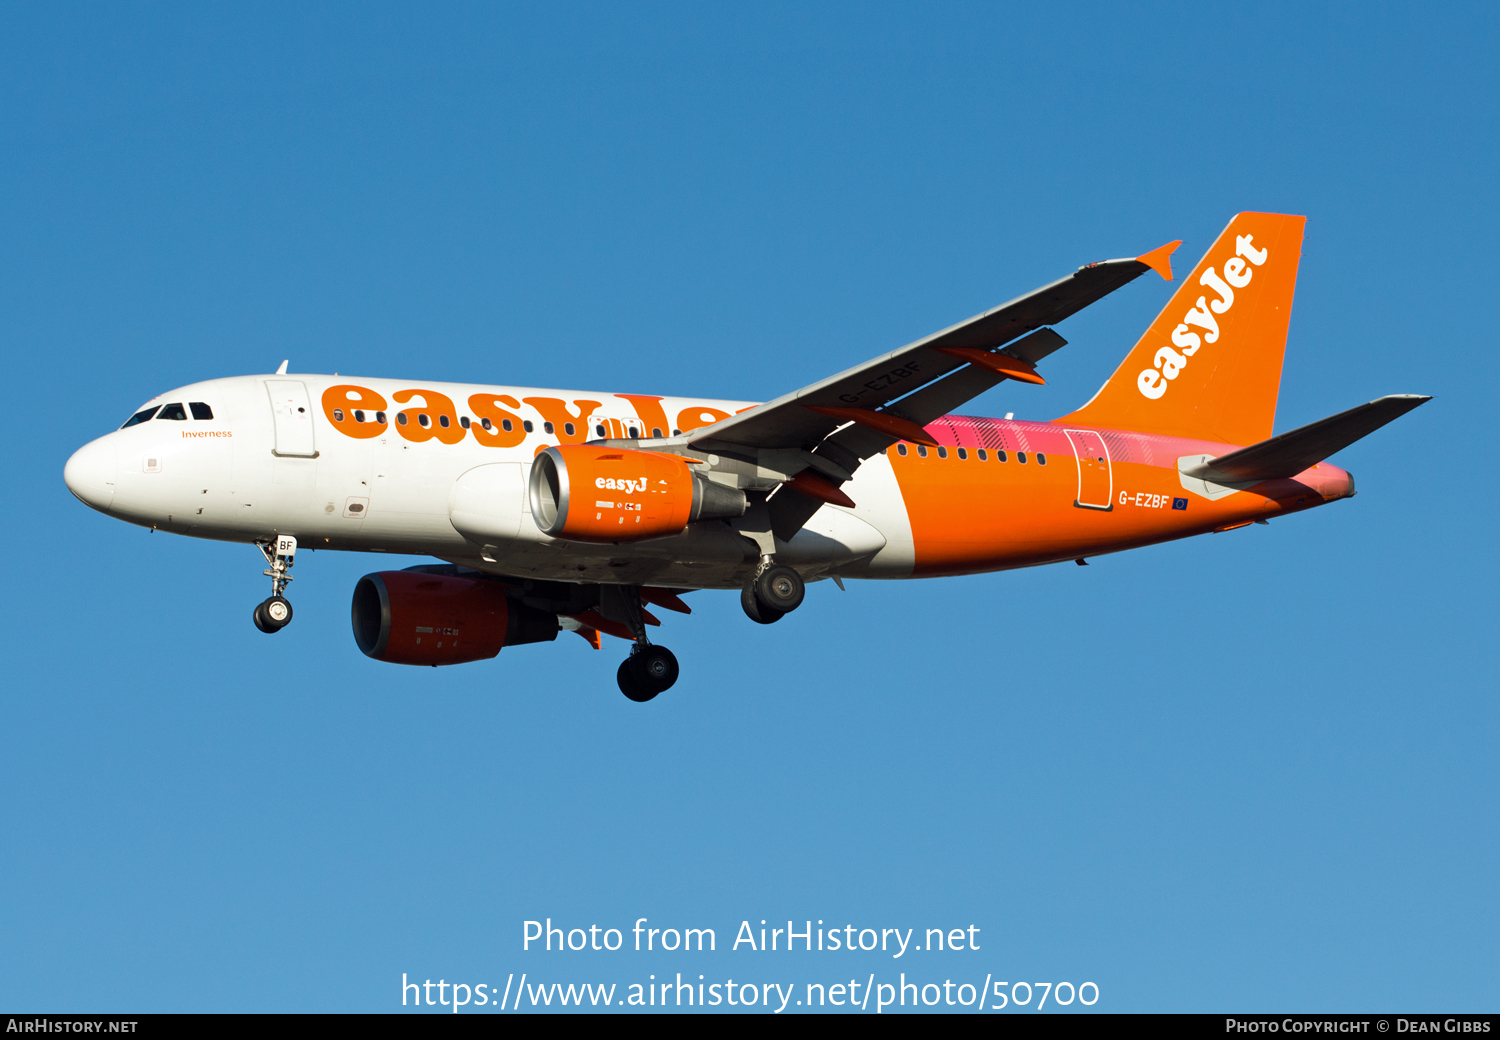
983,455
525,425
463,420
505,424
401,418
443,421
140,416
338,415
634,433
1041,460
201,410
922,450
676,433
173,411
1021,457
423,420
380,418
656,431
547,427
962,454
1000,456
900,449
942,453
568,429
599,430
359,414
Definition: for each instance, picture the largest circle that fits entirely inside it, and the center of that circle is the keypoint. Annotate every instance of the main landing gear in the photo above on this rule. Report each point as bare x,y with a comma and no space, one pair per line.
776,590
275,613
650,669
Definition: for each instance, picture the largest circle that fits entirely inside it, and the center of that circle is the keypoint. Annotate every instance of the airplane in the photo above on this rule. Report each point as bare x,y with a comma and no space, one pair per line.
564,510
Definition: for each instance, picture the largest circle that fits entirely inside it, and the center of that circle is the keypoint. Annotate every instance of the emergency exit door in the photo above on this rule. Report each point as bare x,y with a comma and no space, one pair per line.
1095,478
292,412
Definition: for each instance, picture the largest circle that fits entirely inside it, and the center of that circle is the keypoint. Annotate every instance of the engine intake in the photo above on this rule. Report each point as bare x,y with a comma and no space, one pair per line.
591,494
418,617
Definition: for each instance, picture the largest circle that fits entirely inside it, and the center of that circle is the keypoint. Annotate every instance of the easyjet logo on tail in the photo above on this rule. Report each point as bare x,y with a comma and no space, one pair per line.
1169,363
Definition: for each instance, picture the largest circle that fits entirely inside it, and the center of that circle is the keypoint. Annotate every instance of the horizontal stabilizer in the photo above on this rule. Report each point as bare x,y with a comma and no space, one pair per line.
1288,454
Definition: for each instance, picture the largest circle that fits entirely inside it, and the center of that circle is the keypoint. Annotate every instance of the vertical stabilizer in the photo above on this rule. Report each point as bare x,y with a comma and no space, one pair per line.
1209,366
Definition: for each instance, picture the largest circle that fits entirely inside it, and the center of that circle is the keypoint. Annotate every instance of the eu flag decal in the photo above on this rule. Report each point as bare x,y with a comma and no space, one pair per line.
1179,503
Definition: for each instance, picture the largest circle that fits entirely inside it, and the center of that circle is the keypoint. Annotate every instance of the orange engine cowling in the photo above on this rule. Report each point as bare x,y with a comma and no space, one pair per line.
418,617
587,493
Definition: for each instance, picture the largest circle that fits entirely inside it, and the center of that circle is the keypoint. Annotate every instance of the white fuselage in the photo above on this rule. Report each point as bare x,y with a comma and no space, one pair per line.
250,474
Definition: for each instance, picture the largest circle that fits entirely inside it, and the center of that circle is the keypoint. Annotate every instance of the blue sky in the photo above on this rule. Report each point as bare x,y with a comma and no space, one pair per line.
1252,771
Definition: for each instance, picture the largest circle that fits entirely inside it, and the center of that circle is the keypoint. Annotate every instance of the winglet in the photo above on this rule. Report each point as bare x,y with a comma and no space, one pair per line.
1160,259
282,370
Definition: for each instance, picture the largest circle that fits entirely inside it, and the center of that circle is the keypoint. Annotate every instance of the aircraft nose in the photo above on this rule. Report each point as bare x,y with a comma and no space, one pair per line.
90,474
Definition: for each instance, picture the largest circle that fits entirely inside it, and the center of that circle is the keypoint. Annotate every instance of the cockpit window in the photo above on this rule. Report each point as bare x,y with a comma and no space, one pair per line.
173,411
201,410
140,416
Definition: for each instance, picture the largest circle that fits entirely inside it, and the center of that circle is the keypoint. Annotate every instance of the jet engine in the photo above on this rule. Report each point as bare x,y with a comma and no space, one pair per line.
587,493
421,617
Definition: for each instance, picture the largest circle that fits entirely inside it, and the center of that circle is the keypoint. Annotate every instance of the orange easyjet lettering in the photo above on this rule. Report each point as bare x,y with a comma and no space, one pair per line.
1152,382
567,427
497,428
355,411
433,417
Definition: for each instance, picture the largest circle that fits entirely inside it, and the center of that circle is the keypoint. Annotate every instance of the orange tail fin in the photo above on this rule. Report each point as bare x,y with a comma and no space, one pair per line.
1209,366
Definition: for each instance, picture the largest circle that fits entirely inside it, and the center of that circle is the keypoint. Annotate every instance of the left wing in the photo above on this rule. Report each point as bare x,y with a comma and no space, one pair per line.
929,378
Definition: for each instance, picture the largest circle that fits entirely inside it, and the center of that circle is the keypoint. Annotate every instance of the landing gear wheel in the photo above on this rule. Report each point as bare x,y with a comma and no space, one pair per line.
648,670
631,685
656,666
273,615
780,588
261,622
761,615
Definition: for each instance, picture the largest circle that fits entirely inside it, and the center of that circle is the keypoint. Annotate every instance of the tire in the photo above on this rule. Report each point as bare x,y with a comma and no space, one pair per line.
780,588
261,622
277,611
755,610
655,667
630,684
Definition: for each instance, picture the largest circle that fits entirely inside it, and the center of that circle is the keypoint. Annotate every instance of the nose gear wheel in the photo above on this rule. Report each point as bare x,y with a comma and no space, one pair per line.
273,615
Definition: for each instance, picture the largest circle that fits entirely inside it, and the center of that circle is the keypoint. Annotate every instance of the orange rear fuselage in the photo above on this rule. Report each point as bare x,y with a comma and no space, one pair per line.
973,514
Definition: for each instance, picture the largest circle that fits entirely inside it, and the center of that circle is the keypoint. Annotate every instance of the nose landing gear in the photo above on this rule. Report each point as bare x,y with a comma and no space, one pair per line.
274,614
650,669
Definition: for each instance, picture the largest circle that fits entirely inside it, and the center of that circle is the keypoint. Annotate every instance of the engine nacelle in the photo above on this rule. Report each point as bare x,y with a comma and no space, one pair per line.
416,617
591,494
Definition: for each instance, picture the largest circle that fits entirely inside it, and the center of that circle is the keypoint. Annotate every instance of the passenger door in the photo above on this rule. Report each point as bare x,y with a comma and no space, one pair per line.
292,412
1095,477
